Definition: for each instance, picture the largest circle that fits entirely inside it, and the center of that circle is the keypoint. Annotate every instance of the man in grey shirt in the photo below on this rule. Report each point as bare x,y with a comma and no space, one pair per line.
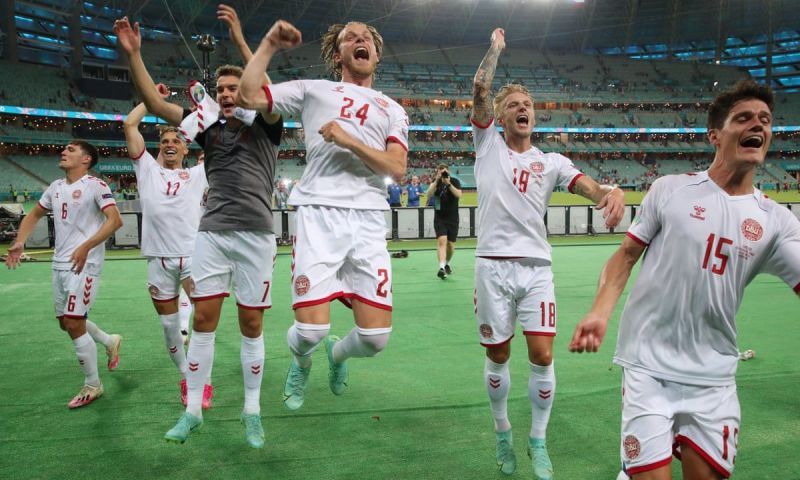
236,241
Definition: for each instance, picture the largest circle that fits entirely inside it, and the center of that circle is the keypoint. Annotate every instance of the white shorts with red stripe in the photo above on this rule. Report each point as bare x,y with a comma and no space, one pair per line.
74,294
512,290
164,276
245,258
660,418
340,253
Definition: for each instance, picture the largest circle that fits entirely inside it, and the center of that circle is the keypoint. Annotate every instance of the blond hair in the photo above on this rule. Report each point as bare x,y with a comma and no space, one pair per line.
504,92
163,130
234,70
331,41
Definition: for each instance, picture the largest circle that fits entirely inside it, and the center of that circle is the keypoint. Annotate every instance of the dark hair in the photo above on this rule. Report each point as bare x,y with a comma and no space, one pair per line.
743,90
88,149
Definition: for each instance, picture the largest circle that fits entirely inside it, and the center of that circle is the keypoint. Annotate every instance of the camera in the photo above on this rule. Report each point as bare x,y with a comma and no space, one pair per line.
445,174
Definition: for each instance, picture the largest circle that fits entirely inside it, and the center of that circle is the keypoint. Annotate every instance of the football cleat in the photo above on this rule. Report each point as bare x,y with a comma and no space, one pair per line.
506,459
113,352
186,425
542,467
337,372
253,430
294,390
208,395
87,395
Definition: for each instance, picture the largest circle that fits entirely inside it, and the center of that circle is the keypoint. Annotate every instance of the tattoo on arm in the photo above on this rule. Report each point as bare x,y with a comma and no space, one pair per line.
482,86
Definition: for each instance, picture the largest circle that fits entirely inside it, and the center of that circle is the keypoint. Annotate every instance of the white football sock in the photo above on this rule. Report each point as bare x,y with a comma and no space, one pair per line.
86,351
98,335
252,356
199,360
174,340
303,339
361,342
541,391
498,384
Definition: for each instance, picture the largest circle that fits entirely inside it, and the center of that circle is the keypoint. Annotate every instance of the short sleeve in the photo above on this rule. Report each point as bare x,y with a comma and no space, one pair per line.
568,175
647,222
143,163
46,200
398,130
286,98
103,196
273,130
484,137
200,171
784,260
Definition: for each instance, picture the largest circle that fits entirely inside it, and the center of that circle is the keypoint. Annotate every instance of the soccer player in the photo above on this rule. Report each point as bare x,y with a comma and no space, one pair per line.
513,278
85,215
445,191
707,235
355,136
235,242
170,197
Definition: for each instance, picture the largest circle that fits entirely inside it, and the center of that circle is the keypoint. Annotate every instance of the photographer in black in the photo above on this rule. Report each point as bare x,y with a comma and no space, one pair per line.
445,191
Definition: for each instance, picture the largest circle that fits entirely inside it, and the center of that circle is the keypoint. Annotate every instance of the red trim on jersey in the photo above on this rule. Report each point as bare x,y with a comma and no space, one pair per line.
165,301
371,303
482,127
397,141
40,204
210,297
680,439
573,182
497,344
539,334
311,303
636,239
269,98
78,317
249,307
137,157
60,317
797,288
109,205
646,468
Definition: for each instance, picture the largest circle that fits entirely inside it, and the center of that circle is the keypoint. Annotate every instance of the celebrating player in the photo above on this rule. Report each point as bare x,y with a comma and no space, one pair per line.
707,235
85,215
354,136
513,279
170,197
236,240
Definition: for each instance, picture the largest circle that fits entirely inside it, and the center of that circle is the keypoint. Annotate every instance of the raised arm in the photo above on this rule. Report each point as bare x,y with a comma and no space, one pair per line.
251,94
25,228
130,40
229,16
130,126
590,331
482,84
607,197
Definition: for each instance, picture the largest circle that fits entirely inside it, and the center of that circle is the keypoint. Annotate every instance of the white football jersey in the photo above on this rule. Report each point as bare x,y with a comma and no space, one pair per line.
703,247
77,215
514,190
334,176
171,206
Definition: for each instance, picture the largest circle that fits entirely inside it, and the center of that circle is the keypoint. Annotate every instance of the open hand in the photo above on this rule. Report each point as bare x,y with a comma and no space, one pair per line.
129,38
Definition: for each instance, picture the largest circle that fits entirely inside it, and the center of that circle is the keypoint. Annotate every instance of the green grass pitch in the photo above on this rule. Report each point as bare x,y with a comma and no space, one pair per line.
417,411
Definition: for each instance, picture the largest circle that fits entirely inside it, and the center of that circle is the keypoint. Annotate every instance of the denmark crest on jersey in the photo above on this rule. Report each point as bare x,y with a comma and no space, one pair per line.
183,175
486,330
752,230
537,167
76,194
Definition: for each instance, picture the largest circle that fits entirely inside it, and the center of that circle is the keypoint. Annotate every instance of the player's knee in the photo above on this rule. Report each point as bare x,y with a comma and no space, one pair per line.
75,327
61,323
303,338
498,353
541,357
374,340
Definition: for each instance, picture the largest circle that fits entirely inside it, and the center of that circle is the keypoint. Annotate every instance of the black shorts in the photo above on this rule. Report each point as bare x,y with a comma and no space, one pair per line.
446,226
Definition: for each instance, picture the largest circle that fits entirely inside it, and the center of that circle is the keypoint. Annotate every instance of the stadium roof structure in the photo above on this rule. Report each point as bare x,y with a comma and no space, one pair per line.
750,33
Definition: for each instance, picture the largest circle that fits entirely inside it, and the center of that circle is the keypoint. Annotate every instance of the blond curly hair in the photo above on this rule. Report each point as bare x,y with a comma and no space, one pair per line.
332,39
504,92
